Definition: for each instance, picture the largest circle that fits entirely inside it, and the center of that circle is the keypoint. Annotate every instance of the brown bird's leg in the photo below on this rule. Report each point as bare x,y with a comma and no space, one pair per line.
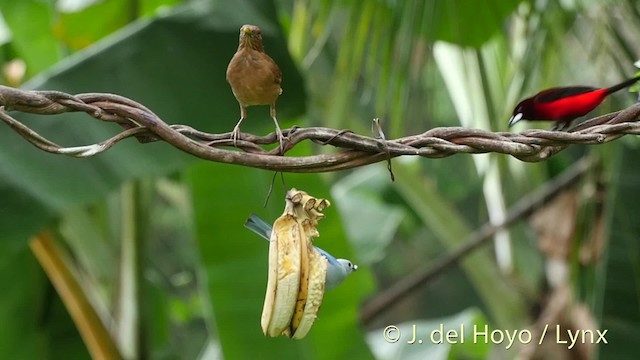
278,131
236,130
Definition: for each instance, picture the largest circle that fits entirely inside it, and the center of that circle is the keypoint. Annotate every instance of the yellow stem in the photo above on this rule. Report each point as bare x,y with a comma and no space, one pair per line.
96,337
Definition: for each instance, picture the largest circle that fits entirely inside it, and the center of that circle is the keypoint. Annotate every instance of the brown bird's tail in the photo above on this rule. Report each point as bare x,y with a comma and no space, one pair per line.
623,85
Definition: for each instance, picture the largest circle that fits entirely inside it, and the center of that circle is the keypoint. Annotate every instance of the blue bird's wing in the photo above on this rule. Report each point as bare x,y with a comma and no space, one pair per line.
330,258
335,272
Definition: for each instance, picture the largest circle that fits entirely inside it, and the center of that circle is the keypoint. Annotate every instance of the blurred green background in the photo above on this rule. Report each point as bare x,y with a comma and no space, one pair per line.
154,237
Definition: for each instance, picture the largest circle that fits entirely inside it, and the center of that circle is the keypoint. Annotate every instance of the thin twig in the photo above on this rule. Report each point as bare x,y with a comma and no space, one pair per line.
378,127
524,207
357,150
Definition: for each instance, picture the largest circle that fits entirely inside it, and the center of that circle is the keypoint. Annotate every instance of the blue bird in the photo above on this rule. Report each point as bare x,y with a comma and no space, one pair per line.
337,269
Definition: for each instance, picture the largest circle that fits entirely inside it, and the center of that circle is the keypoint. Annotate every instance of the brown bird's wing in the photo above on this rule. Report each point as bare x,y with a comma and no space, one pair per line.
277,74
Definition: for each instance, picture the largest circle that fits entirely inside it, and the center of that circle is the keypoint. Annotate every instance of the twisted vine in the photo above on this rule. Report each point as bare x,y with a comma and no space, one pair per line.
357,150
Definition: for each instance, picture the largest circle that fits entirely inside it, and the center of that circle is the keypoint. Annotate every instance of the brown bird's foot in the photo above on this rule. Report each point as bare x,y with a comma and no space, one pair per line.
281,139
235,134
279,134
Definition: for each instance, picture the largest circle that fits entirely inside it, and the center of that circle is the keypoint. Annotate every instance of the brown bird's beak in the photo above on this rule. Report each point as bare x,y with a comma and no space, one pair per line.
246,30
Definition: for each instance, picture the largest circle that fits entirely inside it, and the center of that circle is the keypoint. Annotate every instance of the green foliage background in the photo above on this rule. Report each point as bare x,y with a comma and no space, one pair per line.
415,64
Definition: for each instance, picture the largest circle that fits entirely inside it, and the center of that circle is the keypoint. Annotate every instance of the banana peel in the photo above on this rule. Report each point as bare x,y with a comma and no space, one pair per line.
284,275
297,271
314,294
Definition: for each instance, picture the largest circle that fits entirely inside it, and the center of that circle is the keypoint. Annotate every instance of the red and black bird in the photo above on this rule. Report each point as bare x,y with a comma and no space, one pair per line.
564,104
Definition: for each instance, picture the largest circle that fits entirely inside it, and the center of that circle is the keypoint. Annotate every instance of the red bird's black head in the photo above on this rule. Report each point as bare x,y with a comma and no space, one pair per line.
524,110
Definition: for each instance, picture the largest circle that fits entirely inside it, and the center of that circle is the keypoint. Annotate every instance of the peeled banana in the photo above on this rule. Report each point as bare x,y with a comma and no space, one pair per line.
297,271
283,281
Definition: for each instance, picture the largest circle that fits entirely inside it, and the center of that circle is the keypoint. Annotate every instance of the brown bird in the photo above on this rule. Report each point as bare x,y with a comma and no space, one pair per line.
254,77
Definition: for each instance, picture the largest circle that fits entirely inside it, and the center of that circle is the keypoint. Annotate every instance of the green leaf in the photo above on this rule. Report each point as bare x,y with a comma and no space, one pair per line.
149,7
618,277
358,198
30,22
34,323
80,29
465,22
635,88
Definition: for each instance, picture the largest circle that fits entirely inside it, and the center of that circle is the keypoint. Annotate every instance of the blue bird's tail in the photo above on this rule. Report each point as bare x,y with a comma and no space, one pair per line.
259,226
